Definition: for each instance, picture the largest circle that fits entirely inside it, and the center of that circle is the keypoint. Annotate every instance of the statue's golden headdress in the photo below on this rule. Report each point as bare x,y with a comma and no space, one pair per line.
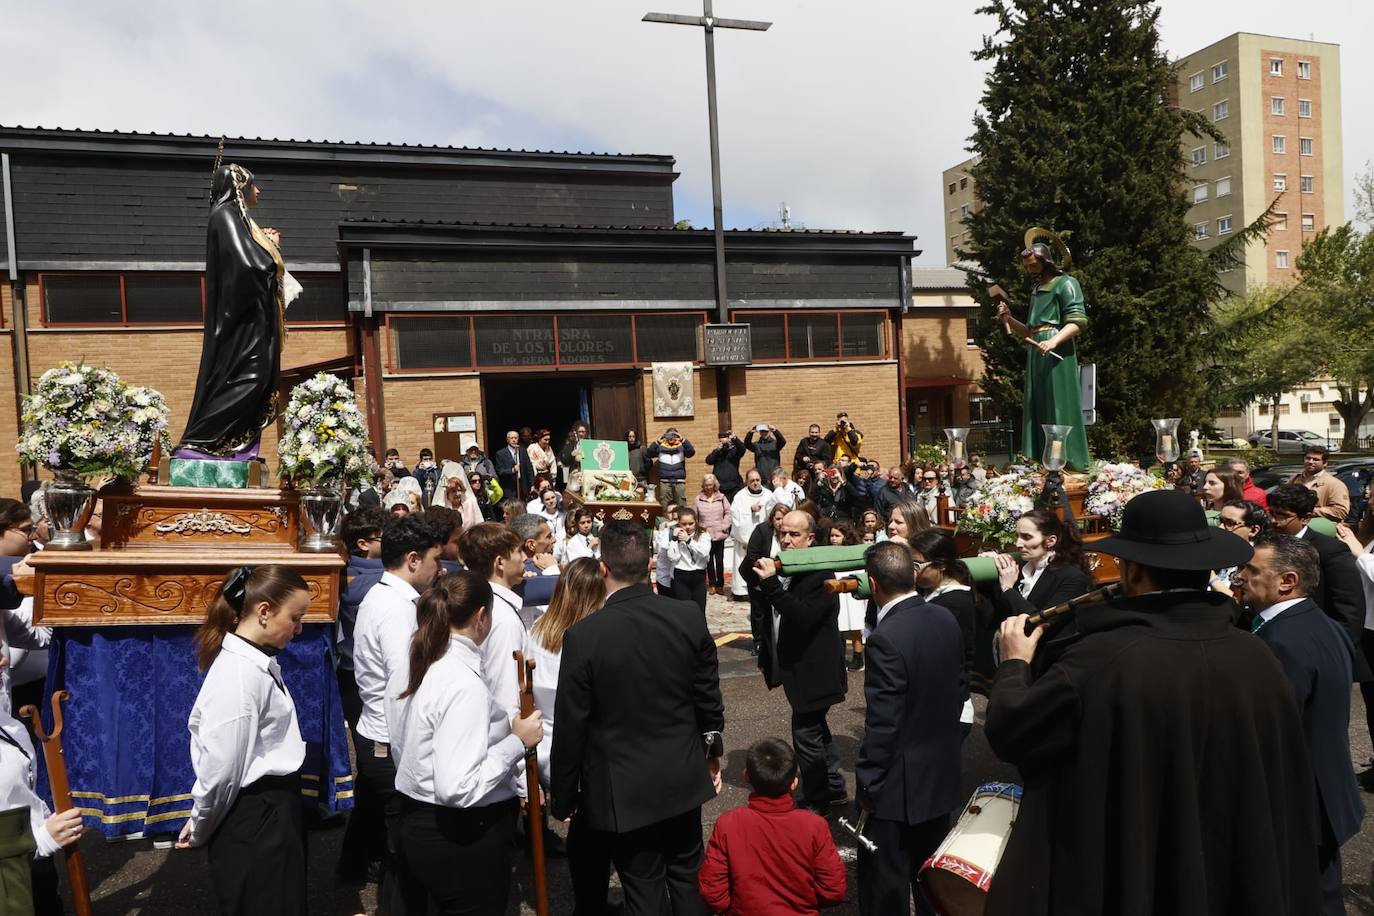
1052,247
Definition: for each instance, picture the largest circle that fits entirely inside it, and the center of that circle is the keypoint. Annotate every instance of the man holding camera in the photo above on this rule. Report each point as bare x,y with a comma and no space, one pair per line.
672,452
844,440
724,461
767,448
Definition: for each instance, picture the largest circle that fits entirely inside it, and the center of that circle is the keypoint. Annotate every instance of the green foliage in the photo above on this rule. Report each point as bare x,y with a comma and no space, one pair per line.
929,453
1077,133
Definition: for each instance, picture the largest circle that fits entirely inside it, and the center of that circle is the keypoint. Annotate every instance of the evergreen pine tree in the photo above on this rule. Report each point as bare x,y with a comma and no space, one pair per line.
1079,131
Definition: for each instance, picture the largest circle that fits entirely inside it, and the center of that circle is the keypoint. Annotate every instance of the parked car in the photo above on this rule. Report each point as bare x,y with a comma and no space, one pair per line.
1356,474
1293,441
1271,475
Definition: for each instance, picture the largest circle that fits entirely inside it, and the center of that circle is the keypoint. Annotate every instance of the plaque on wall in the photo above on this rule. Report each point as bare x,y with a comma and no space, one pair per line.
727,345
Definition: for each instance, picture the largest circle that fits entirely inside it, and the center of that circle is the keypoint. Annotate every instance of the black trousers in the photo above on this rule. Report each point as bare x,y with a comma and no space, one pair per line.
690,585
375,799
715,565
656,861
1367,687
817,759
887,878
257,854
457,860
589,861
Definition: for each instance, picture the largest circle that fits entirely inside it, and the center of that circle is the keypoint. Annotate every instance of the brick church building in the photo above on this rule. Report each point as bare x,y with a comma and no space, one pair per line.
465,291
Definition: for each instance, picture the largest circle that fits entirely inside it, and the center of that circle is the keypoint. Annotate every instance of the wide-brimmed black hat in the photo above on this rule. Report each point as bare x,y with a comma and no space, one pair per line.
1167,529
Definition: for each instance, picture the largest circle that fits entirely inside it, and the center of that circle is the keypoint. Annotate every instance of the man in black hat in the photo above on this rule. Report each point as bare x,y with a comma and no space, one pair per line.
1162,754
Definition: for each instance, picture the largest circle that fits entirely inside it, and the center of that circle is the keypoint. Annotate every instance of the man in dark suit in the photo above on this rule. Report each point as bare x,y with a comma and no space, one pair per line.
800,648
513,468
1339,592
908,767
637,747
1317,656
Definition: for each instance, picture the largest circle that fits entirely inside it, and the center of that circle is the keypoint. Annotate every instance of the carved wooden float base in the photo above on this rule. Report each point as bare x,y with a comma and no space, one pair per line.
159,586
176,518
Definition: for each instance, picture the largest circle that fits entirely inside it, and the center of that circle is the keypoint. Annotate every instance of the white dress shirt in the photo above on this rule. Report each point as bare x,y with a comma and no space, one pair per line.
17,762
663,558
578,546
454,744
882,611
1275,610
546,665
690,555
21,636
1365,563
507,636
1030,574
243,727
381,647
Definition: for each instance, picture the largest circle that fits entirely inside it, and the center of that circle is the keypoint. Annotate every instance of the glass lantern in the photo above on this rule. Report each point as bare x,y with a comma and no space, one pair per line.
1056,445
957,453
1166,439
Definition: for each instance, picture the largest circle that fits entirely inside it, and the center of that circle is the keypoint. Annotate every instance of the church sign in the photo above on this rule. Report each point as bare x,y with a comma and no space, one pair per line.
727,345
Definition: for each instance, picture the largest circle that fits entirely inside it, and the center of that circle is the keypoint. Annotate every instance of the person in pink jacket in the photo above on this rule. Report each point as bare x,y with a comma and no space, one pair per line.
713,516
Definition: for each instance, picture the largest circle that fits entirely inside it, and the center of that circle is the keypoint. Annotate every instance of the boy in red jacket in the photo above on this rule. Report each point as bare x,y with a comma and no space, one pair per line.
769,857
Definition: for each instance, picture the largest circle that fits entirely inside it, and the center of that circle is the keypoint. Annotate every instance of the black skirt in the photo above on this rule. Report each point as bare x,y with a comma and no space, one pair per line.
257,856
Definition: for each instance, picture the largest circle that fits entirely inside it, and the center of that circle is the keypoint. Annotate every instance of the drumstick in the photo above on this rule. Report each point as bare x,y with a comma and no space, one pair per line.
61,794
524,674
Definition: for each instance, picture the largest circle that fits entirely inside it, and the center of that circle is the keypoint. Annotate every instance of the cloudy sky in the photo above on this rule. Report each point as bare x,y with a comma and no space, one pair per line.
846,111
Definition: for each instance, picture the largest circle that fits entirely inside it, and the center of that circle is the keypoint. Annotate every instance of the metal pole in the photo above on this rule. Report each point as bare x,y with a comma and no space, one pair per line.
722,297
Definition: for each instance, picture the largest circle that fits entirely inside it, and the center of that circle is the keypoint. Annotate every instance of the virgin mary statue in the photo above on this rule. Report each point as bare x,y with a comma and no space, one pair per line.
240,362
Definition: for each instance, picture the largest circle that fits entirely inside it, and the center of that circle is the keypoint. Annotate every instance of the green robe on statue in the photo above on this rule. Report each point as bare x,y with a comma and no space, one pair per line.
1052,392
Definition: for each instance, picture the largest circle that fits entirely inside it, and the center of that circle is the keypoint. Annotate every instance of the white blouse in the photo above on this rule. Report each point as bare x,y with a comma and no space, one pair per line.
243,727
454,746
690,555
545,682
17,770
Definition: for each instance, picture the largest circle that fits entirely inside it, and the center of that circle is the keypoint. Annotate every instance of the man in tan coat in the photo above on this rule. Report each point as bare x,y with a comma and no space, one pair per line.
1333,499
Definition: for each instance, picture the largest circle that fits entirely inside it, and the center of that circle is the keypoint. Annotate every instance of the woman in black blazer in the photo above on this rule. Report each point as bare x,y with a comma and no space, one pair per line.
1052,570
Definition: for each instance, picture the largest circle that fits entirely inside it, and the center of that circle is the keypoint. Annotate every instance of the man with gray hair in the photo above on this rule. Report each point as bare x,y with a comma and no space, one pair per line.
908,768
1317,656
1249,489
536,541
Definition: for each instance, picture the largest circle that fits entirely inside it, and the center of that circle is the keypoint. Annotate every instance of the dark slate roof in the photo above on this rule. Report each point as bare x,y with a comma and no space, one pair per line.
63,140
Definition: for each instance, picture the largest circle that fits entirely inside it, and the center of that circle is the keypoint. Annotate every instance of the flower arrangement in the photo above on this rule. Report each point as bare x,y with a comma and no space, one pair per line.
325,442
609,486
991,512
84,421
1111,486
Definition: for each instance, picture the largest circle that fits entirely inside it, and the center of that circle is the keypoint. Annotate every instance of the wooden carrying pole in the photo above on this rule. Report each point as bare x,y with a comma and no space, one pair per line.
61,794
524,673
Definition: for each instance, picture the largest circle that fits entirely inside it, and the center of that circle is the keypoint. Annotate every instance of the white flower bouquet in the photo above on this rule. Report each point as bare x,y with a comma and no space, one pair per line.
325,442
1111,486
991,512
84,421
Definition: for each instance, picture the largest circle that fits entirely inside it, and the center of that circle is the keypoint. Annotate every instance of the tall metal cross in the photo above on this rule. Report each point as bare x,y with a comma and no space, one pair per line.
709,23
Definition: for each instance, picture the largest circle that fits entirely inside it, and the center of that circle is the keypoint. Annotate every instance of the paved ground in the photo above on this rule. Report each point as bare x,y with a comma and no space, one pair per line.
133,878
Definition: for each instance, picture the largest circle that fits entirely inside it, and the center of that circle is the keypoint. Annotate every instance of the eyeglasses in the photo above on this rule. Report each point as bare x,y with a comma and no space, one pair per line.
919,565
927,479
1281,516
1229,524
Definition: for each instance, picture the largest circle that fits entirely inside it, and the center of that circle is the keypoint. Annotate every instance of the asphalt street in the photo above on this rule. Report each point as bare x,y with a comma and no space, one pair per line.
134,878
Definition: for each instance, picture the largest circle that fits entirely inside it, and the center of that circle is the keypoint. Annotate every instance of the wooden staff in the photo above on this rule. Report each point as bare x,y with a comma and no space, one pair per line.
1092,597
61,794
843,586
524,674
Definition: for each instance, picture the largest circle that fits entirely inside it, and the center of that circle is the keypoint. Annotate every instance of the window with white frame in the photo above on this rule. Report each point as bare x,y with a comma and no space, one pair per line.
1309,222
1200,156
1221,110
1199,193
1220,71
1223,225
1220,150
1276,66
1223,186
1199,230
1309,184
1196,82
1305,146
963,212
1304,70
1276,105
1280,181
1281,260
1280,145
1304,108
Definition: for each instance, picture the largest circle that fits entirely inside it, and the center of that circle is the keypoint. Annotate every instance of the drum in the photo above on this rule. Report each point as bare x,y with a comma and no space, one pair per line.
955,880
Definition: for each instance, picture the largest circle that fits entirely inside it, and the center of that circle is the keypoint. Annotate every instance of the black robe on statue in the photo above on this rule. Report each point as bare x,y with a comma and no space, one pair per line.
1165,771
240,362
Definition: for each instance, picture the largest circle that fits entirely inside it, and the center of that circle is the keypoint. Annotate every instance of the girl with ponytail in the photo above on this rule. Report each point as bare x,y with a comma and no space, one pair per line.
246,746
457,757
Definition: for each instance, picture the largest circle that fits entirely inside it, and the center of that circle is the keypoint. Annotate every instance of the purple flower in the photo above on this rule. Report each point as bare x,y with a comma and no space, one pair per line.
54,459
